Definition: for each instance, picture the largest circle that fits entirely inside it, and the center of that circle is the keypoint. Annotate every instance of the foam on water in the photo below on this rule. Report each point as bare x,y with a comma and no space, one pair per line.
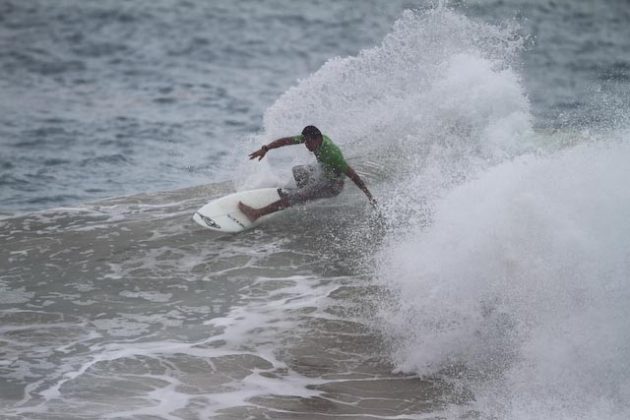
145,314
228,361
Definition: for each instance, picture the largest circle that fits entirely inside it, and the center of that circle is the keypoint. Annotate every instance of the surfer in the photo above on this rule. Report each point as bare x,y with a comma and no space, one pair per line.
314,182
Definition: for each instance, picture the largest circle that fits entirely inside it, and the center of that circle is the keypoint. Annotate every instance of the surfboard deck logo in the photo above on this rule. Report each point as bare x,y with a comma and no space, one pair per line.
237,221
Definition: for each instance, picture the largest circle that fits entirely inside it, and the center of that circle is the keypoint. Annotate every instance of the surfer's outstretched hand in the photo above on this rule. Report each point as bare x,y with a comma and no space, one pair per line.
260,153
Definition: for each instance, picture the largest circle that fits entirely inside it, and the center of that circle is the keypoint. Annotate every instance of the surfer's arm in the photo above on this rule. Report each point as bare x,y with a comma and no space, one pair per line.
260,153
284,141
350,173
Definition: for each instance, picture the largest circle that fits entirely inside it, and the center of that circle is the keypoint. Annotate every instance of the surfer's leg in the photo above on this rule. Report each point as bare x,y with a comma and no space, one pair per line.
253,214
323,189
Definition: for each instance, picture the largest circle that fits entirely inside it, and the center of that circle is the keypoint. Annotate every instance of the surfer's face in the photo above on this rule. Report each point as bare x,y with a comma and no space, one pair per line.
312,143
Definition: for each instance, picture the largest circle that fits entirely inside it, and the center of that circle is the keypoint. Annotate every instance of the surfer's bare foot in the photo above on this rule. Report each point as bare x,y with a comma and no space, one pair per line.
251,213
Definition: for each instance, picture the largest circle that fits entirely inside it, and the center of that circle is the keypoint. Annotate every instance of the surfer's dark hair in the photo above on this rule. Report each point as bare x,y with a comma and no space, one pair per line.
311,131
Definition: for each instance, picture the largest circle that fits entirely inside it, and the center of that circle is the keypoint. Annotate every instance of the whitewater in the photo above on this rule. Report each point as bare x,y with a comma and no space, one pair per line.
496,288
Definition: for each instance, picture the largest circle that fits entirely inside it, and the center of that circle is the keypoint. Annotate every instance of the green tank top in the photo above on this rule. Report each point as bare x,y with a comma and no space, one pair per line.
329,157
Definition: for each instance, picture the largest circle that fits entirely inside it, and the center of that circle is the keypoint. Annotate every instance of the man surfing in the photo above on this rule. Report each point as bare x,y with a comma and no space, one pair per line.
314,182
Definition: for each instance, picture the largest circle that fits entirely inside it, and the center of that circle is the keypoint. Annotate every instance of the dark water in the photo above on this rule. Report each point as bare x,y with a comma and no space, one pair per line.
494,135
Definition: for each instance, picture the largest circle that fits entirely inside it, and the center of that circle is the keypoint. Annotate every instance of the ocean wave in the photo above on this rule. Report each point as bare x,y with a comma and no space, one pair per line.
521,279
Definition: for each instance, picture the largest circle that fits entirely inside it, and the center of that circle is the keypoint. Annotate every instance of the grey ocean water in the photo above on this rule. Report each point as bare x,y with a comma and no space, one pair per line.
493,133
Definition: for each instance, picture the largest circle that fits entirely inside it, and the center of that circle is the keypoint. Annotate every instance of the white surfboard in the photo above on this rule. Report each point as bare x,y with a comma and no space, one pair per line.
223,214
